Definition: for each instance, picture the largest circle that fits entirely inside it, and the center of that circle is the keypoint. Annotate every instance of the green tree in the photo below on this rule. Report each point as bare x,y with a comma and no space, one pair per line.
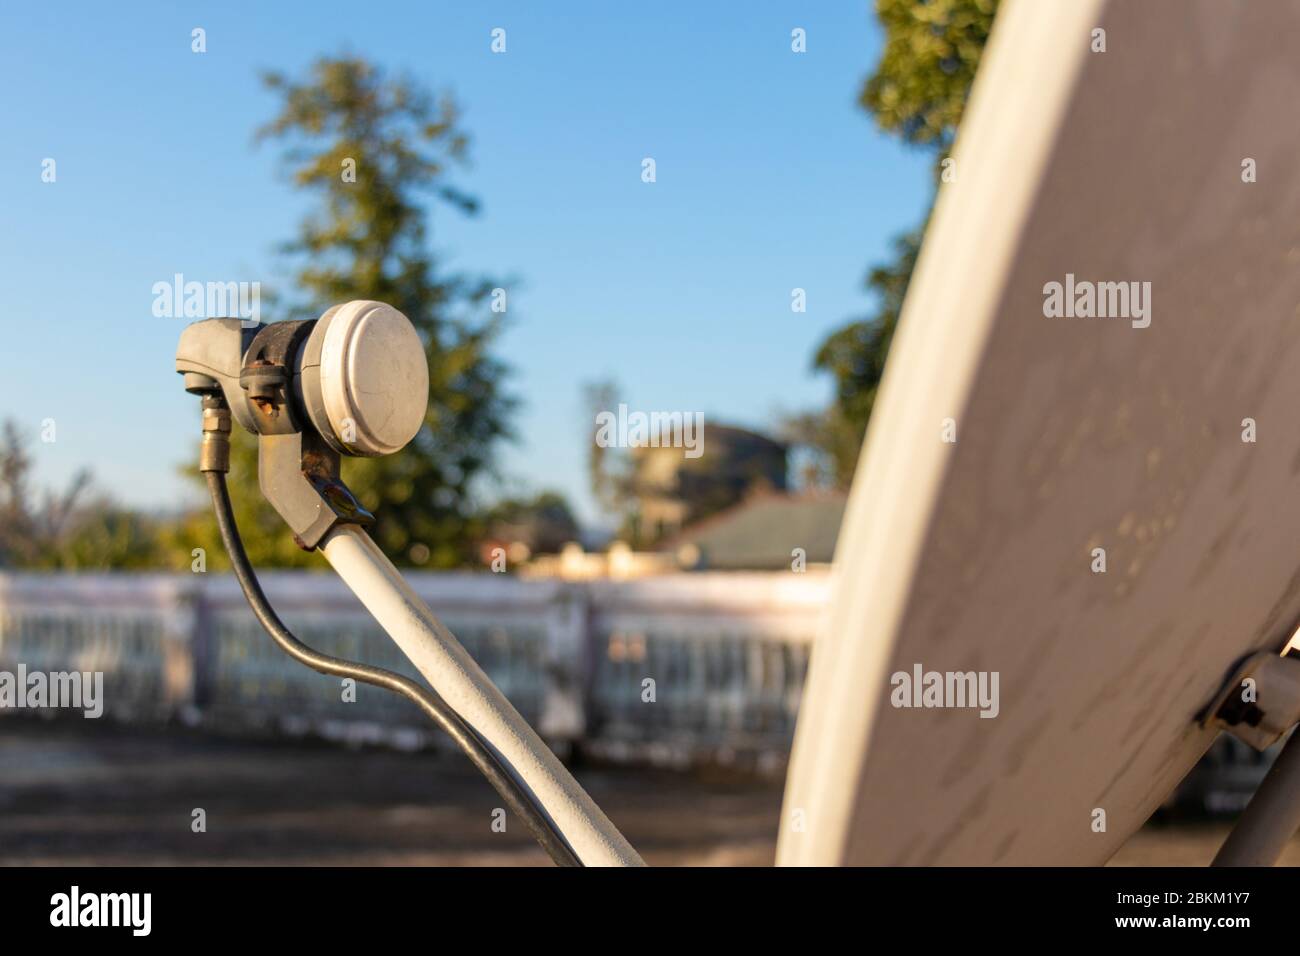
932,50
917,92
75,530
376,151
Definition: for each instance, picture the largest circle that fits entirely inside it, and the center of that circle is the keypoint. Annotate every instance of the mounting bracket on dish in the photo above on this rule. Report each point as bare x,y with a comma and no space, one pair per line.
1261,701
1258,706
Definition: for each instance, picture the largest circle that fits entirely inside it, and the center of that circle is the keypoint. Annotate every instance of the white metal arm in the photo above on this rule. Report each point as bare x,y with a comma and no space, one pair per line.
458,679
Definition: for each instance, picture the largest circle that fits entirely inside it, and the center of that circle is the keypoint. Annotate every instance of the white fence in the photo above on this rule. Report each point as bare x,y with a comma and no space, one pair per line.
726,653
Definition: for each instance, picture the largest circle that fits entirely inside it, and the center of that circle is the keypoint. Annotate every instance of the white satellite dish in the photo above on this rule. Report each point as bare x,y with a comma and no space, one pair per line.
1073,434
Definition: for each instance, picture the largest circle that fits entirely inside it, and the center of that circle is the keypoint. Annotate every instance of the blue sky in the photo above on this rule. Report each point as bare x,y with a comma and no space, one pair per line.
769,178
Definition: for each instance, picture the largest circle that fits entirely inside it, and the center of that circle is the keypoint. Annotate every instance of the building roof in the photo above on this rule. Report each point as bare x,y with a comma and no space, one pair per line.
762,532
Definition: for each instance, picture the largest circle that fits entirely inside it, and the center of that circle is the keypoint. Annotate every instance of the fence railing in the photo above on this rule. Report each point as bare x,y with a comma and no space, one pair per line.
670,668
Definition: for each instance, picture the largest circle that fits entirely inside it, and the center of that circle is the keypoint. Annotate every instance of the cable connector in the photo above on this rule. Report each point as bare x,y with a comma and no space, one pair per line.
214,453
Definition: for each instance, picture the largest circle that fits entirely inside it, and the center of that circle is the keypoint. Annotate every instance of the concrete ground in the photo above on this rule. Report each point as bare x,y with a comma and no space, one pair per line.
85,793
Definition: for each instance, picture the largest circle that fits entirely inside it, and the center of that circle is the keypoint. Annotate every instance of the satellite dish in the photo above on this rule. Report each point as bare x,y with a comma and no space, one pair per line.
1169,440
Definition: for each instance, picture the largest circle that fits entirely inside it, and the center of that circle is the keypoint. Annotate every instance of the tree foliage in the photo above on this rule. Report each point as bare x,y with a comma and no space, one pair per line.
917,92
932,49
74,530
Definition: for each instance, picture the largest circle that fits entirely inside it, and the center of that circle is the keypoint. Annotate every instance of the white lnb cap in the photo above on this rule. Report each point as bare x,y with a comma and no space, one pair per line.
365,379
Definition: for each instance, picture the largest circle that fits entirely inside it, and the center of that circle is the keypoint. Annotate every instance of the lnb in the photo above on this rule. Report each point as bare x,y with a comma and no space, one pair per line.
357,376
353,382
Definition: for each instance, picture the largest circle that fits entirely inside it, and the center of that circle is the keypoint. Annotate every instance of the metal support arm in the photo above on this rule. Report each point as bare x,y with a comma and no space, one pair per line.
457,678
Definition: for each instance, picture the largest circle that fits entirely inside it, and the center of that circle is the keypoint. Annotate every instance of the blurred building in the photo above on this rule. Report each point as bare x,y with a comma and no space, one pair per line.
618,563
673,491
766,532
519,529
